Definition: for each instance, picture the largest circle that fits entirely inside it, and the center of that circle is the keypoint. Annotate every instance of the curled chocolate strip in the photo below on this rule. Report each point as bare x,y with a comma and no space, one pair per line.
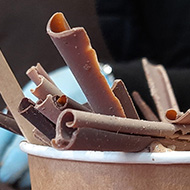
34,72
80,119
52,106
75,48
145,109
177,117
44,88
160,87
9,123
27,110
99,139
122,94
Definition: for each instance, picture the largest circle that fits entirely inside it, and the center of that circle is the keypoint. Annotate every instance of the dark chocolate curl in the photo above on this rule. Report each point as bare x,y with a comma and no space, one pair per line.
27,110
122,94
8,122
75,48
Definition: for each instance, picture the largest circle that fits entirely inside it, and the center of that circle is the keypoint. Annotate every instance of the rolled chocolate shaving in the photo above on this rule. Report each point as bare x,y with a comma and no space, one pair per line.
27,110
145,109
80,119
64,102
122,94
101,140
45,88
160,87
178,118
37,70
8,122
51,108
75,48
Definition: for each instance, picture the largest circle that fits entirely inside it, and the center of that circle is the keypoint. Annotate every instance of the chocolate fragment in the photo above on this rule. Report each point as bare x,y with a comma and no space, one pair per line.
122,94
75,48
160,88
145,109
27,110
8,122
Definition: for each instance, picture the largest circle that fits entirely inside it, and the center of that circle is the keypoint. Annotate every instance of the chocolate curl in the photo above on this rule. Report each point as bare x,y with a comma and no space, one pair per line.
27,110
8,122
160,87
34,72
52,106
122,94
44,88
145,109
75,48
80,119
177,117
12,94
99,139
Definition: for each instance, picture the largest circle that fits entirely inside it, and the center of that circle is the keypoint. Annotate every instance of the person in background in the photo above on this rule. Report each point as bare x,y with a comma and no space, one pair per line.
122,32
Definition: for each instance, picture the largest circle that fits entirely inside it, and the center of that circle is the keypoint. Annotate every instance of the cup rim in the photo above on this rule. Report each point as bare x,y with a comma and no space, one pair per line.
174,157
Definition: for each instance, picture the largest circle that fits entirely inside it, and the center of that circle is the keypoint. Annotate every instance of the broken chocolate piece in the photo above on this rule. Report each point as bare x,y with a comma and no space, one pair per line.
122,94
75,48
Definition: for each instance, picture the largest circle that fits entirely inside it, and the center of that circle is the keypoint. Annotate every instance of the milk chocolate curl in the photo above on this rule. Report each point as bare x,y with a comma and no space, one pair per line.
52,106
145,109
44,88
34,72
177,117
160,87
94,139
27,110
80,119
12,94
8,122
75,48
102,140
122,94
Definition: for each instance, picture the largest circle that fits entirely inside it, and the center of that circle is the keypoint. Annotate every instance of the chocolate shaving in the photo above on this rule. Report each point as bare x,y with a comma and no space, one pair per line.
75,48
160,88
122,94
98,138
45,88
145,109
34,72
178,118
27,110
8,122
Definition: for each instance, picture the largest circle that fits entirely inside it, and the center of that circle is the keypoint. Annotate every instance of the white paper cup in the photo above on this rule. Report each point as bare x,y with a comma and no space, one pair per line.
51,169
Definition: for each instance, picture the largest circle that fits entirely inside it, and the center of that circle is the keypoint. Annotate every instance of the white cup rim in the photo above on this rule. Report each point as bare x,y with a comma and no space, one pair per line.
174,157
